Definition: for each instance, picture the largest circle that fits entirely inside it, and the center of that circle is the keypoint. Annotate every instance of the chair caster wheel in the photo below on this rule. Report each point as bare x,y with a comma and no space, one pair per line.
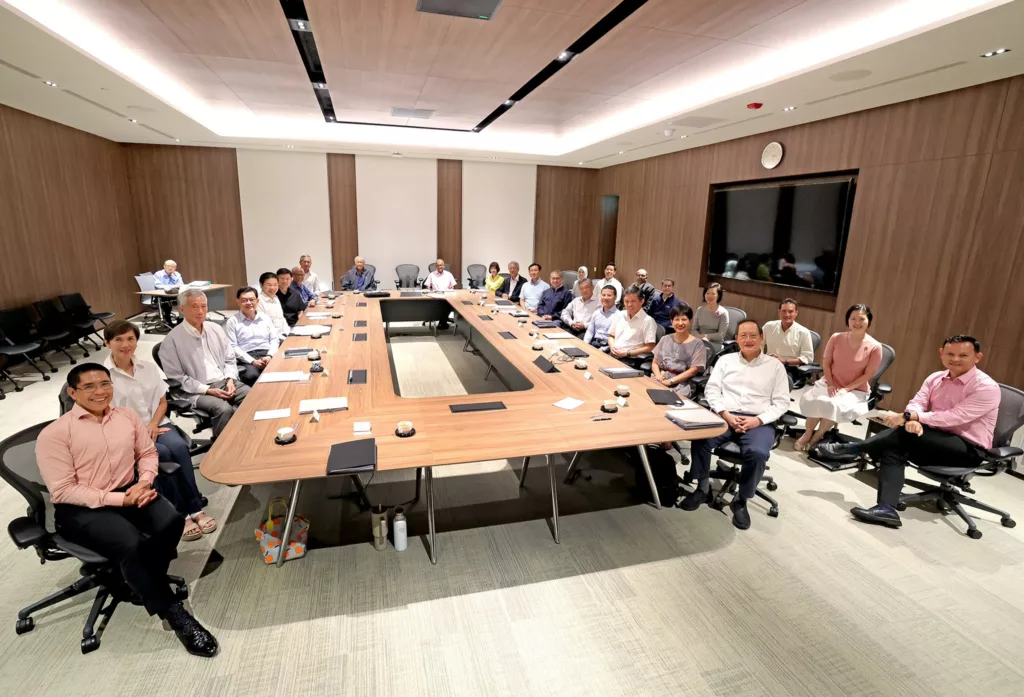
1008,522
772,486
901,506
942,506
46,378
25,626
90,644
19,389
181,592
53,370
974,534
73,361
773,513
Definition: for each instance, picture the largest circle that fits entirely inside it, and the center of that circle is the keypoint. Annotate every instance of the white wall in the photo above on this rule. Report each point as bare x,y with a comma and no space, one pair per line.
498,202
285,211
396,211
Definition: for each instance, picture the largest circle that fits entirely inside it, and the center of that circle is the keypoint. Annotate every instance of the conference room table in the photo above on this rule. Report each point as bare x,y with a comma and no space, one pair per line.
216,295
527,424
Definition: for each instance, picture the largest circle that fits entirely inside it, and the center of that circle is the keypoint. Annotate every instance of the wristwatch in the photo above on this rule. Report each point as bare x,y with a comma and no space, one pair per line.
906,416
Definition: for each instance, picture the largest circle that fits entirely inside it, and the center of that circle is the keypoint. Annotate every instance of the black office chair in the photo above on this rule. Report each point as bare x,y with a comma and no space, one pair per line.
569,278
54,325
82,316
954,480
16,330
477,275
645,361
798,377
11,351
408,276
736,315
373,271
181,406
505,274
35,529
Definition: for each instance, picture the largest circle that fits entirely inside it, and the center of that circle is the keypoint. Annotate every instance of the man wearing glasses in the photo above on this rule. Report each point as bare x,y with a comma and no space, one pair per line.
99,463
251,335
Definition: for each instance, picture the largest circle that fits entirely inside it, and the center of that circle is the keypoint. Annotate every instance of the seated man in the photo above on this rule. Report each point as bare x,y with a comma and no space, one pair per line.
308,296
311,280
950,421
358,277
168,277
644,289
292,305
197,354
99,464
440,280
601,321
252,336
512,286
609,280
555,299
749,390
576,316
633,332
789,342
529,296
663,304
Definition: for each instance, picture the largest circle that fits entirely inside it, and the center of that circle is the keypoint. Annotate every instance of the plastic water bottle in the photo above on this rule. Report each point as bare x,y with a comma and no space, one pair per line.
399,527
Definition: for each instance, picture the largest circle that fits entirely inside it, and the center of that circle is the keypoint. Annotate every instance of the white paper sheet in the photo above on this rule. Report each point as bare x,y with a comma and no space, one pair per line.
283,376
558,335
308,406
271,414
568,403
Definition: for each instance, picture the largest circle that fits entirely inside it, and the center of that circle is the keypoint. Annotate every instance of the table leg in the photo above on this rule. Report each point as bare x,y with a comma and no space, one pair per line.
488,373
429,483
522,472
554,496
288,521
571,474
650,476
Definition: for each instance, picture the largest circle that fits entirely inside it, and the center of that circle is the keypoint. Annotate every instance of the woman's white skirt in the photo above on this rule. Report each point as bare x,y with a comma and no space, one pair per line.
816,404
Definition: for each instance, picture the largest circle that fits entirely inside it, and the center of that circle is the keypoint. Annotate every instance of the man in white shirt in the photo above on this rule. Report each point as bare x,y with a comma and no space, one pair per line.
440,280
633,331
789,342
167,277
529,296
749,391
577,314
252,335
197,354
609,280
311,280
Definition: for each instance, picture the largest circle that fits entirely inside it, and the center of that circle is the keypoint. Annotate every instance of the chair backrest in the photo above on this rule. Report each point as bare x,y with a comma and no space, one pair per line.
73,303
47,310
815,340
64,400
888,356
16,325
736,315
659,333
432,267
569,278
504,274
408,275
156,355
1010,417
477,272
18,468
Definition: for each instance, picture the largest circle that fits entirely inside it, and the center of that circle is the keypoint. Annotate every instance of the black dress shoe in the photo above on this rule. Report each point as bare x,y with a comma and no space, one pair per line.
834,451
879,515
193,636
740,516
693,500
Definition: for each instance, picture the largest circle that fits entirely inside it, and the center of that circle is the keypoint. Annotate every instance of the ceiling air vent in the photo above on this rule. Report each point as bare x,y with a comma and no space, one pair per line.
473,9
403,113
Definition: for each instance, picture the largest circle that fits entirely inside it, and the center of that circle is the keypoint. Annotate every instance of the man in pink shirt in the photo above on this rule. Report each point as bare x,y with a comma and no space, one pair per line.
950,421
99,463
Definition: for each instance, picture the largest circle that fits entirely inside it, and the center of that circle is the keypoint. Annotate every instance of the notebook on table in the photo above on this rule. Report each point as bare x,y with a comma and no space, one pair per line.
353,457
693,419
544,323
623,372
665,397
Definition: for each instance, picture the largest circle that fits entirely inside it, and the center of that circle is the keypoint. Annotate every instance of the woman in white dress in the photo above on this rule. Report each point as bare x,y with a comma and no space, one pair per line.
850,360
269,303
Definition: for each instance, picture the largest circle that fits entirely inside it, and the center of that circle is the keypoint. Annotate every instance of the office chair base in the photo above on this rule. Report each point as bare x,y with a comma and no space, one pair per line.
731,485
947,498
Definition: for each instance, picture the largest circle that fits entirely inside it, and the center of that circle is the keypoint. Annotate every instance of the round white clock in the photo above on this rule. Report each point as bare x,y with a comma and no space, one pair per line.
772,155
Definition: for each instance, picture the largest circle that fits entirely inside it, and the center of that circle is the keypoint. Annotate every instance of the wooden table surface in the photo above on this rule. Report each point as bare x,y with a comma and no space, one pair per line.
246,453
161,292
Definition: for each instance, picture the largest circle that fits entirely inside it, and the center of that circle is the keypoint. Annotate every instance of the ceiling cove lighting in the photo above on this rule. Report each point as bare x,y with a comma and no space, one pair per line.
790,108
990,54
899,20
133,120
51,84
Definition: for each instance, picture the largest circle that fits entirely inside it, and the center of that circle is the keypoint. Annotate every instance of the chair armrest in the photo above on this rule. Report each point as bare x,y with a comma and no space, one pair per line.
173,384
26,532
787,420
1004,453
810,369
883,388
178,405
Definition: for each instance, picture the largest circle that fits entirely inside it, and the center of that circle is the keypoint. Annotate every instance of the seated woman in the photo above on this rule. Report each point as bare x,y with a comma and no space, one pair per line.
581,275
494,278
850,360
712,319
679,356
139,385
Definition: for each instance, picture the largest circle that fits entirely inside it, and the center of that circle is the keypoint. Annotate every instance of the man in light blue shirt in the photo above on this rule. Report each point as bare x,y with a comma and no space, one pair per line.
252,337
168,277
529,296
602,319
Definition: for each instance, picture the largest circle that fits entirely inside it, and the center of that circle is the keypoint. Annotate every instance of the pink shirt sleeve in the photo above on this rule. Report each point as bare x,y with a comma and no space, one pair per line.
145,451
919,403
978,403
56,465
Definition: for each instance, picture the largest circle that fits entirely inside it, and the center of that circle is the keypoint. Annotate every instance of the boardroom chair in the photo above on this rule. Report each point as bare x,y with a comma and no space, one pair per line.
17,328
407,276
180,406
54,325
952,481
736,315
35,529
10,352
477,275
645,361
83,318
569,278
152,322
373,271
799,378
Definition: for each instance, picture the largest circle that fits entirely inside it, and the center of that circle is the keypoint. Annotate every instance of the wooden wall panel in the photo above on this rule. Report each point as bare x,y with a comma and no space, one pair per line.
341,185
185,206
566,218
935,245
449,217
64,216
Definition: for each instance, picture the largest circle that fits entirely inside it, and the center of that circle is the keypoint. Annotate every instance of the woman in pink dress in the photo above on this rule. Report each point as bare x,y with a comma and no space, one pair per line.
851,359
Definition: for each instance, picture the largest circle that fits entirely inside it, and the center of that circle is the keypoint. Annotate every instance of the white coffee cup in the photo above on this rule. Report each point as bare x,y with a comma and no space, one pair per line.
581,363
285,433
404,427
313,355
622,390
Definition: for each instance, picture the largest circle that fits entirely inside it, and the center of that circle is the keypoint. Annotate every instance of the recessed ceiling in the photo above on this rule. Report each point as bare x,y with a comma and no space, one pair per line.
228,72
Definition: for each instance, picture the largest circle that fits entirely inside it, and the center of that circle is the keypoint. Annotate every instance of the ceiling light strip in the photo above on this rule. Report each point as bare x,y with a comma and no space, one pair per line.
616,16
302,33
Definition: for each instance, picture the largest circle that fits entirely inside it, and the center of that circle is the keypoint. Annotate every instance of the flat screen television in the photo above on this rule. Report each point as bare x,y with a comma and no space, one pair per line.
784,232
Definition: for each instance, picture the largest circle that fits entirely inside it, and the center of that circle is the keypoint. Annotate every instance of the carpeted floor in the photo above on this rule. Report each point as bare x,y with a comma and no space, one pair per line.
633,601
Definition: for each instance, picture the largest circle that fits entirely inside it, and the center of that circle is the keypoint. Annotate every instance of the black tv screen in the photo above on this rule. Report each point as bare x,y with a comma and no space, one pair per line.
790,233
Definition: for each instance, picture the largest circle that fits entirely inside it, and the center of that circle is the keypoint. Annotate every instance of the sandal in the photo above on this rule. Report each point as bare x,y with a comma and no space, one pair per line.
206,523
192,531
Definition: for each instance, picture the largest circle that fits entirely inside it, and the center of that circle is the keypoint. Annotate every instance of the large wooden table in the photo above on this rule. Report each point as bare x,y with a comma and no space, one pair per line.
530,425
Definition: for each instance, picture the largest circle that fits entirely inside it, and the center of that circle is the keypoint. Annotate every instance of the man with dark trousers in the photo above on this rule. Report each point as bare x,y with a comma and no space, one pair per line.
951,420
99,463
749,390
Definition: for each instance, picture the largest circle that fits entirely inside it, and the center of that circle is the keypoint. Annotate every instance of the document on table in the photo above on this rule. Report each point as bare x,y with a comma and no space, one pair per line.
283,376
310,329
568,403
271,414
318,315
361,428
558,335
308,406
693,418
